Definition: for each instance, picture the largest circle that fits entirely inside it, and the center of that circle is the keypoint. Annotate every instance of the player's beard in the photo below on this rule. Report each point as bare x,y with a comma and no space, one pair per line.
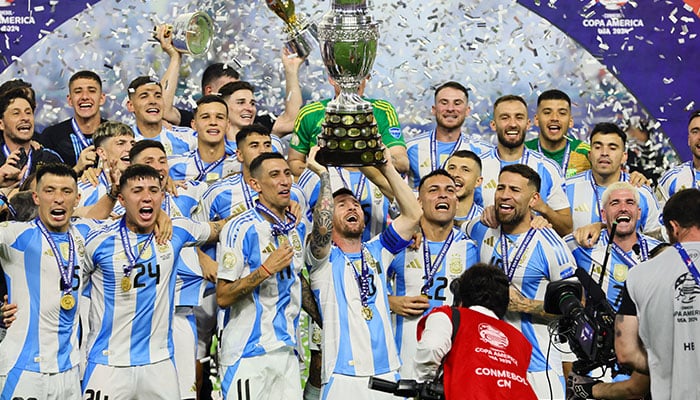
512,220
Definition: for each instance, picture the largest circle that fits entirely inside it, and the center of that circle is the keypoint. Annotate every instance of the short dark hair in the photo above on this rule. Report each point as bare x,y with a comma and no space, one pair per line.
217,70
508,97
232,87
257,162
684,208
140,81
453,85
483,285
18,84
109,129
137,171
607,128
434,173
57,169
553,94
467,154
144,144
208,99
22,206
533,178
85,74
693,115
249,130
9,97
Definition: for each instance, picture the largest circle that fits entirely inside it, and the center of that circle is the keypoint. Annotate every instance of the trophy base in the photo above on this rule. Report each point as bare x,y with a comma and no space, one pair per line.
350,139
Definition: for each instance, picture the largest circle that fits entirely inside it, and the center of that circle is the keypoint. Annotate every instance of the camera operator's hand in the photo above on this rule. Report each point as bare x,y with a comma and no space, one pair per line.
579,387
409,306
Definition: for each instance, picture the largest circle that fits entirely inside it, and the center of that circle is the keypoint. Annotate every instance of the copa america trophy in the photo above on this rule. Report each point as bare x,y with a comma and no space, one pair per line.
192,33
301,35
348,37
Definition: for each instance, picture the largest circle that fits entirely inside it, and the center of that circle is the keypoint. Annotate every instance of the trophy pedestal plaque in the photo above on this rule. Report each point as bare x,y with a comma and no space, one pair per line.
350,139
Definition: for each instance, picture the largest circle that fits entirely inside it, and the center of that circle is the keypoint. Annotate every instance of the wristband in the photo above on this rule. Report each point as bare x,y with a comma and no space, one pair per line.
264,268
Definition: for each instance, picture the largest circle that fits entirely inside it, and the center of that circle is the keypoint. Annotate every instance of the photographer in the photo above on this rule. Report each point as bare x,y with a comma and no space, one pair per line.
489,357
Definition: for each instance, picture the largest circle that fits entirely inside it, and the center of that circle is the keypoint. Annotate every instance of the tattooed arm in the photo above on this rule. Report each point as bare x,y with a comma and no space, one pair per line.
308,301
320,238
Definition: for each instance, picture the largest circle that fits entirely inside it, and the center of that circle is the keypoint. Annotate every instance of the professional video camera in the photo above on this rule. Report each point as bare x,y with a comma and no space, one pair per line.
590,329
432,390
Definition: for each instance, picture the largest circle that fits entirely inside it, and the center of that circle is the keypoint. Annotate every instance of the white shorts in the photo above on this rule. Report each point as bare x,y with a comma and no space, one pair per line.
345,387
206,315
152,381
541,381
19,384
272,376
185,347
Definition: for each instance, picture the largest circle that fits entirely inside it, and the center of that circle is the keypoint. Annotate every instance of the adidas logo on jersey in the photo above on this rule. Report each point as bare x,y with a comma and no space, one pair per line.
489,241
492,184
415,264
582,208
268,249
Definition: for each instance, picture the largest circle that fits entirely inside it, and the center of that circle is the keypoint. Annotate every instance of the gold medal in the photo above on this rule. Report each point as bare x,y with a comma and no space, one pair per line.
67,301
126,284
367,313
425,295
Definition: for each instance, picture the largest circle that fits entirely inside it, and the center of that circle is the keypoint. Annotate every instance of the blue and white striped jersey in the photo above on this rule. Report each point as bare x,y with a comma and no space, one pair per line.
680,177
90,194
268,318
130,328
591,260
422,161
586,202
406,275
351,344
190,167
44,338
552,187
546,258
474,212
176,140
372,200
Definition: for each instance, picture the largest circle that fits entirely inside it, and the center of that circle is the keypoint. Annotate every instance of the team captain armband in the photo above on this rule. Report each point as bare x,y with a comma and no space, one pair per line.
392,241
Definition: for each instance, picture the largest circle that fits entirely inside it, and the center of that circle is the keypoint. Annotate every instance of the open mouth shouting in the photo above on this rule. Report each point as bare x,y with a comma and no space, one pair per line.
58,214
442,206
146,213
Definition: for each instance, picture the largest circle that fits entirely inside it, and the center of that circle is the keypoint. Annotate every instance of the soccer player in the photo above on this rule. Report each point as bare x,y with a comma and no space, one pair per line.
421,277
510,122
585,190
211,160
42,260
348,278
129,347
554,119
307,127
465,168
430,151
72,138
146,103
686,175
259,288
531,258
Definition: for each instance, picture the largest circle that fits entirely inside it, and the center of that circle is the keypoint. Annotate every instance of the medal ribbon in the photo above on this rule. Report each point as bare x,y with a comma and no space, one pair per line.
362,277
279,227
629,261
360,184
434,157
431,269
203,171
65,270
688,262
509,267
124,235
79,134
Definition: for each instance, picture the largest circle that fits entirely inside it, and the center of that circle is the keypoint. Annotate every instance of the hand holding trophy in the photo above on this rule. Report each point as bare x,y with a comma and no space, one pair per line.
191,33
301,35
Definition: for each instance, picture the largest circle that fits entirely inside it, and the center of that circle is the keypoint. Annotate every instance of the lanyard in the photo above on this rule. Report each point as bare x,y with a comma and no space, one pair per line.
688,262
279,227
124,234
431,269
362,276
203,171
65,270
360,184
509,267
567,155
629,261
80,135
434,156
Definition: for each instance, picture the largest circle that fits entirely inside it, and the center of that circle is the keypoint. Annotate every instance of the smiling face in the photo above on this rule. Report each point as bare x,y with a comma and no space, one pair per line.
142,199
17,123
251,147
694,137
211,123
554,120
273,182
513,199
147,104
451,108
622,207
241,107
155,158
466,173
116,148
56,198
85,96
438,198
348,217
607,154
510,122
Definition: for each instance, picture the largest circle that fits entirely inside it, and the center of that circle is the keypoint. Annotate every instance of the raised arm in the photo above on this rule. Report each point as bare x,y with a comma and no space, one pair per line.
172,74
292,89
320,239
